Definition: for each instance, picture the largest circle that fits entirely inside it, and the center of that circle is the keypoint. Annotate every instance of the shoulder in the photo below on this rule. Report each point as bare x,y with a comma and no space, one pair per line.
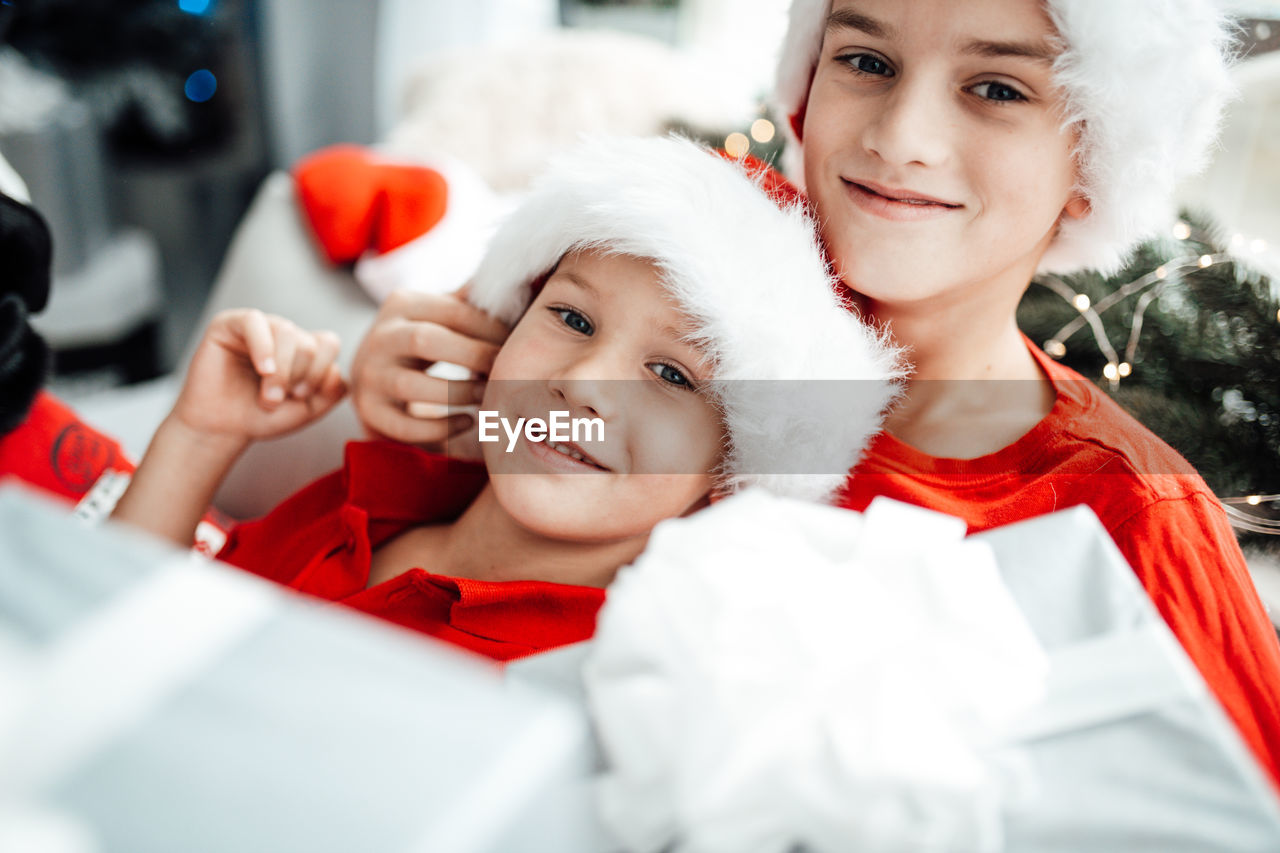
1089,433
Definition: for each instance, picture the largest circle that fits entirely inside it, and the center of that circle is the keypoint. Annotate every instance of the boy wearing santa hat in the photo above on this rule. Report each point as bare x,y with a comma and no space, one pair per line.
952,151
634,305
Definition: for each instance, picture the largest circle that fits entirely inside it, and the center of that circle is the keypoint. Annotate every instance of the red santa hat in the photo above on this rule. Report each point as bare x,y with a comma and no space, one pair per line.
742,260
1145,82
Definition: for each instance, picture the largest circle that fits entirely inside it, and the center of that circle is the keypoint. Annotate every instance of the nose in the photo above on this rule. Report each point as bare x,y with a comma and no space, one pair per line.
912,126
590,383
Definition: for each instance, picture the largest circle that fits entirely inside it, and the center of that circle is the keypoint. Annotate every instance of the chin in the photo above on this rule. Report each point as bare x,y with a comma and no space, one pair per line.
564,507
892,282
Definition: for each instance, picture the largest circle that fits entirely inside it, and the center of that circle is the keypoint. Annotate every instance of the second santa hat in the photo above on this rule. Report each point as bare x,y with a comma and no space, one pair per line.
747,270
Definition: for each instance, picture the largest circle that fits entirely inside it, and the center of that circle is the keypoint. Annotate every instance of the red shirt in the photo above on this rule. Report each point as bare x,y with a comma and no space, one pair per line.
321,540
1162,515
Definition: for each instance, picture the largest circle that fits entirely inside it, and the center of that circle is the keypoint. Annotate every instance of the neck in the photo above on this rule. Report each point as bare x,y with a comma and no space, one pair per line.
974,386
486,543
954,341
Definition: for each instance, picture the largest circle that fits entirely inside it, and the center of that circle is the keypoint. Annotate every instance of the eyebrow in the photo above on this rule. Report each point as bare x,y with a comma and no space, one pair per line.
841,19
682,337
1016,49
573,278
848,19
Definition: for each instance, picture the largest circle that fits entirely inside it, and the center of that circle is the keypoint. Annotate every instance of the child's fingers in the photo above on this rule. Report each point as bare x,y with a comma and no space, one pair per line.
330,388
259,341
323,358
275,387
332,385
304,356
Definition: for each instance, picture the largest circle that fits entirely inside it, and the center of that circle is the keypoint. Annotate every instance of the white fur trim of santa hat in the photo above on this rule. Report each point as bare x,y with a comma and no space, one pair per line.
750,275
1145,83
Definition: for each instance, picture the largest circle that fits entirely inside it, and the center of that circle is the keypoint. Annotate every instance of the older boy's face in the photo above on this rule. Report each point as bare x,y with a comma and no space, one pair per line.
603,340
932,147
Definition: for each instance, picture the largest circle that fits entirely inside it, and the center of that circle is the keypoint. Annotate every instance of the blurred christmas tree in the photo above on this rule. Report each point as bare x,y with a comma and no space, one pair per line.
1187,339
147,68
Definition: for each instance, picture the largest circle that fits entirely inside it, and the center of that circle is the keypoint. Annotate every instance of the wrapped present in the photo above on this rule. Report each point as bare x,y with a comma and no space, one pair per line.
153,701
777,676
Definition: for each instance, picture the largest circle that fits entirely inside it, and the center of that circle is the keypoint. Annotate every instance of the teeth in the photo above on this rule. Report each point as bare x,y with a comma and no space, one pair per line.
568,451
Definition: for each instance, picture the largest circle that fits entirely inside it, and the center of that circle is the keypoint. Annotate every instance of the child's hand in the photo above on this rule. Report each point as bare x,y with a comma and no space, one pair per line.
412,331
256,375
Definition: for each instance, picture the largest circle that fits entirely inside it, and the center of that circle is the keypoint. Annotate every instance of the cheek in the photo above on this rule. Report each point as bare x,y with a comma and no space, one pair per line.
1032,179
515,359
528,351
684,438
823,126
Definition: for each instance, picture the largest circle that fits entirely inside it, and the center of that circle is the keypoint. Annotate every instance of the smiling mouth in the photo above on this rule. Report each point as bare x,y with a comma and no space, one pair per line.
901,197
574,452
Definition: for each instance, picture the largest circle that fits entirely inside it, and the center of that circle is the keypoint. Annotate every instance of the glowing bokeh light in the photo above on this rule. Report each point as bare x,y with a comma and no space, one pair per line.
200,86
762,130
736,144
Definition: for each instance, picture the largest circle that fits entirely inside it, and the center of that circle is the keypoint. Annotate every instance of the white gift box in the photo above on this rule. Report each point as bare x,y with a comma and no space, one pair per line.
152,701
1127,750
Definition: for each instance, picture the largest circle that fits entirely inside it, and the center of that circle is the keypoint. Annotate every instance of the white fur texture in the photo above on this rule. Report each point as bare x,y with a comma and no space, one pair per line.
750,276
1145,83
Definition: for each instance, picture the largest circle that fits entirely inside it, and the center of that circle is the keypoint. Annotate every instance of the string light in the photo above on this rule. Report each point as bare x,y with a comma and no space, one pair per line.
736,144
762,130
1153,283
1249,521
1182,230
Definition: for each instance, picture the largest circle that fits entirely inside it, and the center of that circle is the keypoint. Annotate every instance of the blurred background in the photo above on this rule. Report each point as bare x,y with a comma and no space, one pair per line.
144,127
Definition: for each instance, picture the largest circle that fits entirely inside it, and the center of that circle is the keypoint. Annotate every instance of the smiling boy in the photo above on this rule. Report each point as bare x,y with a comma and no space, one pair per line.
952,151
631,306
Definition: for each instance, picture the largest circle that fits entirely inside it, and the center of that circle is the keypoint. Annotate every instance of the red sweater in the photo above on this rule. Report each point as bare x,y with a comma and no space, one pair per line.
321,540
1161,514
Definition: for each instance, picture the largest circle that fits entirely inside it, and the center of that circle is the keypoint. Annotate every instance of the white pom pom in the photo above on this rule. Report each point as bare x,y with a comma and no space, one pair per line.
772,673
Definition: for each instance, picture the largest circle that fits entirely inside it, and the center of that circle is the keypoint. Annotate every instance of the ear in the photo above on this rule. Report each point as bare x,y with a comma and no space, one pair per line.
1077,207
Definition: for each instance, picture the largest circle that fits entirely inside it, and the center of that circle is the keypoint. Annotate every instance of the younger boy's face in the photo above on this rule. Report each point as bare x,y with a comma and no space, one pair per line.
603,340
933,148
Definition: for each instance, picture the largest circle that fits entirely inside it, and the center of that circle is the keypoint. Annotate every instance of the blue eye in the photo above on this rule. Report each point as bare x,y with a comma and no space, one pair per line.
670,375
575,321
867,63
1000,92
